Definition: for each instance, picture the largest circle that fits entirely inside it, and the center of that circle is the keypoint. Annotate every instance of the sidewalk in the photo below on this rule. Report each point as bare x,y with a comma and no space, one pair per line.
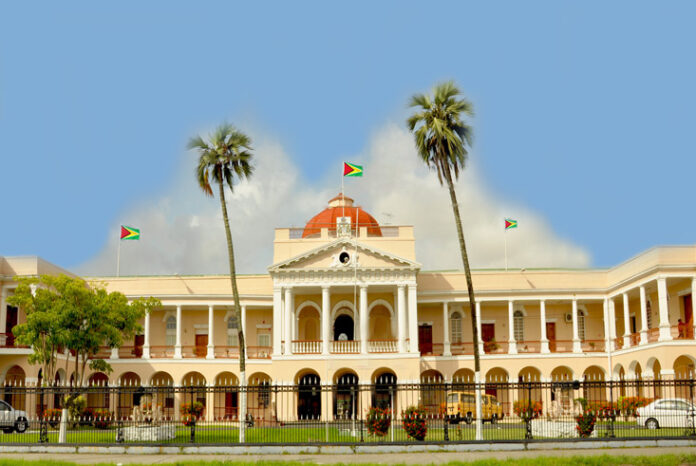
381,458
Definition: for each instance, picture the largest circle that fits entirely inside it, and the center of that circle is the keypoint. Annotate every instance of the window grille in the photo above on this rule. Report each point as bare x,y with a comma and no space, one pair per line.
518,322
456,328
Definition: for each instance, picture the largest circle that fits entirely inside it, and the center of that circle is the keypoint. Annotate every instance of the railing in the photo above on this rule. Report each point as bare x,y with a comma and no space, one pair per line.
259,352
653,335
682,332
306,347
227,352
194,352
618,343
593,346
382,346
162,352
495,347
436,349
386,231
8,340
458,349
336,414
635,339
561,346
345,346
529,346
130,352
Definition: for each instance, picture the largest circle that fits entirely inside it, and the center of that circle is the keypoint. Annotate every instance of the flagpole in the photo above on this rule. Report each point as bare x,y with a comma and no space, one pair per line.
118,259
343,197
505,236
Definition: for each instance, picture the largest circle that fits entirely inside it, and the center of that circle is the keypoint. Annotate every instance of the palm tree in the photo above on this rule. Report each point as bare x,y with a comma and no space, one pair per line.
226,158
442,137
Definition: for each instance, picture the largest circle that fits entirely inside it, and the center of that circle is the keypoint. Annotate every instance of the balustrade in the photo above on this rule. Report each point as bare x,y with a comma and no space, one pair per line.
593,346
306,346
653,335
383,346
345,346
528,346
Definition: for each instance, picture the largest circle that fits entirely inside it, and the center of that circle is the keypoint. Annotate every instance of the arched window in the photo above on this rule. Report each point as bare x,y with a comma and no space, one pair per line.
232,334
581,325
456,328
171,331
518,322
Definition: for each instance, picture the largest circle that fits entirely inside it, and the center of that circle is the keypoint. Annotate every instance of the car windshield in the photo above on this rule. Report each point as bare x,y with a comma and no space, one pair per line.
452,398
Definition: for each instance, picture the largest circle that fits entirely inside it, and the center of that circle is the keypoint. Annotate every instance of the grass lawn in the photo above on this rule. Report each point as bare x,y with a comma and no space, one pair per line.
600,460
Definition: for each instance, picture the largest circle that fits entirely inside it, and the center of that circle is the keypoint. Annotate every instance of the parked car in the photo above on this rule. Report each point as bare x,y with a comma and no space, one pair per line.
12,419
461,406
667,412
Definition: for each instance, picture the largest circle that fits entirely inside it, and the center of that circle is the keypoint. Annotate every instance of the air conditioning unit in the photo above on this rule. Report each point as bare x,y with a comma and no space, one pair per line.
569,317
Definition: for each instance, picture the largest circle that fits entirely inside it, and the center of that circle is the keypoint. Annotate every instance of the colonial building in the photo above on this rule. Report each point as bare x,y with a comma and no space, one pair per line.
346,302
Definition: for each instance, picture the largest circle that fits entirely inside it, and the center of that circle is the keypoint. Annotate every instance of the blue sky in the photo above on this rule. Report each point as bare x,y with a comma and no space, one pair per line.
584,110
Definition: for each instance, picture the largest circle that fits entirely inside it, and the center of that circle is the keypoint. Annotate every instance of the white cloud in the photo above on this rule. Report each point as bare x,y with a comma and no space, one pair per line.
182,230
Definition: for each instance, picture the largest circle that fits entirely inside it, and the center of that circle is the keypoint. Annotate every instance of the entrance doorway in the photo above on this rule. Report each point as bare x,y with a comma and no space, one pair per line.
343,328
346,401
201,345
309,397
10,323
488,337
425,339
551,335
688,317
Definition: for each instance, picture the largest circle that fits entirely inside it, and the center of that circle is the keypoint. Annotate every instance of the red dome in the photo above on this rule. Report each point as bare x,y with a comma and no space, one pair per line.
341,206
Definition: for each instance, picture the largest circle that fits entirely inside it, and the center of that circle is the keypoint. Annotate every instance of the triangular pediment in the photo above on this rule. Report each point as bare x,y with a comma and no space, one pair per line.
341,254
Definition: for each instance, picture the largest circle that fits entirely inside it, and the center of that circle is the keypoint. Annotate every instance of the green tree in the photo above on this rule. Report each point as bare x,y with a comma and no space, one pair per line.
442,136
225,159
67,313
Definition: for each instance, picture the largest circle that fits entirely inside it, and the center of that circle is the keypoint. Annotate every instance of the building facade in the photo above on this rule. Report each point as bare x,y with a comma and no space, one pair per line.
345,302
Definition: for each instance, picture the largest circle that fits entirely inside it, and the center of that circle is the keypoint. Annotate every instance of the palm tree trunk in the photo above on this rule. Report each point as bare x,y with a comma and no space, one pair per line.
236,316
472,300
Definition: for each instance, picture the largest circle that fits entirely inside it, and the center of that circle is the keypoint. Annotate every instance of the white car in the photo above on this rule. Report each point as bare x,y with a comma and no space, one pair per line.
667,412
12,419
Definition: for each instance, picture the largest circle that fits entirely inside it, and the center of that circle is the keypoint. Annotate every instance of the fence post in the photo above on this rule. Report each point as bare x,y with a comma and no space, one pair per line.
43,428
119,423
528,417
192,418
444,414
612,411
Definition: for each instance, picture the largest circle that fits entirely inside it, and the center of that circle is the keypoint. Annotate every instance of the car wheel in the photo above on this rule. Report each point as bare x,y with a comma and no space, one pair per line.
8,430
21,425
468,419
652,424
494,418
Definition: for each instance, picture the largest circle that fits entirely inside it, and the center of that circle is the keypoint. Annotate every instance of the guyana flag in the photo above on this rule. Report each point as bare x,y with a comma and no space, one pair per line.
350,169
510,224
129,233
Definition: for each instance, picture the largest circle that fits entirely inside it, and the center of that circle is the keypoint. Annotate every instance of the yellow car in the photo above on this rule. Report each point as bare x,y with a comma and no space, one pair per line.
461,406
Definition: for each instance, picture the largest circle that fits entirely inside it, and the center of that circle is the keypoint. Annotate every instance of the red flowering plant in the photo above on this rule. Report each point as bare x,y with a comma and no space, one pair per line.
378,421
414,422
586,422
603,409
191,412
52,416
527,412
628,405
103,418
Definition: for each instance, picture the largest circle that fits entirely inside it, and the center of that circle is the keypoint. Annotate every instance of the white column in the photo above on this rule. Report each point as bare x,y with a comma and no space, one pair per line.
478,327
401,307
146,342
643,317
211,339
277,319
665,331
447,350
512,343
3,312
114,353
177,345
607,326
289,311
577,344
325,319
364,320
693,303
413,318
612,323
542,318
627,326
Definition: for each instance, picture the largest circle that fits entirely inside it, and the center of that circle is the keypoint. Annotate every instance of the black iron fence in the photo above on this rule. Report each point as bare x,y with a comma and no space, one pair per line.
348,413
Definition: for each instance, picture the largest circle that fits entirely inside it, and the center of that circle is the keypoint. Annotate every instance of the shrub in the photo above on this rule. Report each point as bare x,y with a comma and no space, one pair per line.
378,421
102,418
53,416
414,422
76,407
603,409
523,410
628,405
586,422
191,412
